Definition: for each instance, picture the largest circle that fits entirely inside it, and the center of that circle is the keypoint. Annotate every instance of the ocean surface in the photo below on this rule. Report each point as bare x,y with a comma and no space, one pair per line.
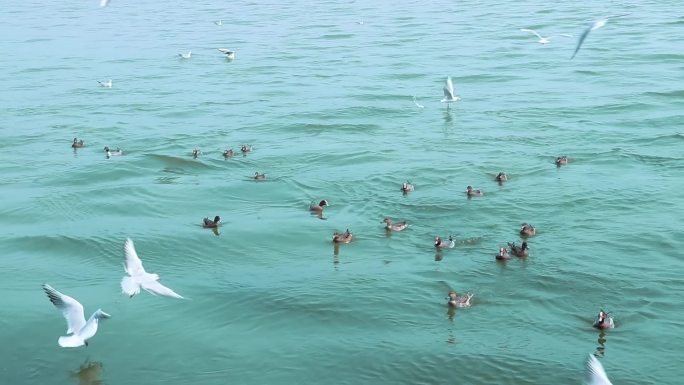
324,91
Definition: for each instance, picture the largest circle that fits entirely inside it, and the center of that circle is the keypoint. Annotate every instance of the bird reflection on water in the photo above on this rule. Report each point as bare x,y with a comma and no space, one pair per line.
88,373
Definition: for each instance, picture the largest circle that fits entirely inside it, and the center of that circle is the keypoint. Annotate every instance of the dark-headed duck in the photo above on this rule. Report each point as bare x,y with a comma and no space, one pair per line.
519,251
228,153
77,143
501,177
245,148
258,176
503,254
473,193
196,152
459,301
345,237
318,207
442,244
407,187
109,152
604,321
561,160
527,230
209,224
394,226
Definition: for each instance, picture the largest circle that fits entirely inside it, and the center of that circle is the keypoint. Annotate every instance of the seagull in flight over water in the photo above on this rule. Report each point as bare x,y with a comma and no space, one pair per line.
138,278
595,373
542,40
594,25
79,331
449,96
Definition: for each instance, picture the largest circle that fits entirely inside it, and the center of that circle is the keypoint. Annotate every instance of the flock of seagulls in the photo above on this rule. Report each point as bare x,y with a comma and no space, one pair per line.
79,331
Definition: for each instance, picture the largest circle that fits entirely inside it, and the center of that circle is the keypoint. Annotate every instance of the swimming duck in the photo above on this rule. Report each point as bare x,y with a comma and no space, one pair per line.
407,187
519,251
561,160
394,226
345,237
228,153
459,301
245,148
604,321
318,208
209,224
501,177
442,244
527,230
196,152
110,152
77,143
503,254
258,176
473,193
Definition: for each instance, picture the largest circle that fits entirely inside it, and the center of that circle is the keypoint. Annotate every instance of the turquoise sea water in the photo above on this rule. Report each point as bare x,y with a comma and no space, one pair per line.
324,92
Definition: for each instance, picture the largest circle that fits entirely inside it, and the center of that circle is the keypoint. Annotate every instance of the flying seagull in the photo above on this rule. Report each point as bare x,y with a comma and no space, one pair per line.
79,331
449,96
138,278
542,40
595,25
595,373
229,54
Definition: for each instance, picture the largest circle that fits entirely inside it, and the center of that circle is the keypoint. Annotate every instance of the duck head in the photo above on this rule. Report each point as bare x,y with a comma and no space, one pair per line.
217,219
323,203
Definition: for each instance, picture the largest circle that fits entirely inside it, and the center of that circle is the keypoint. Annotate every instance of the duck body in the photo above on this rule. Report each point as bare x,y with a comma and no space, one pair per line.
460,301
209,224
407,187
521,251
503,254
258,176
442,244
562,160
604,321
109,152
473,193
318,207
390,226
345,237
77,143
527,230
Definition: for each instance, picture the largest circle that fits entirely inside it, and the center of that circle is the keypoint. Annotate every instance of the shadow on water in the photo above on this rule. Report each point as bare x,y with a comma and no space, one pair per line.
88,373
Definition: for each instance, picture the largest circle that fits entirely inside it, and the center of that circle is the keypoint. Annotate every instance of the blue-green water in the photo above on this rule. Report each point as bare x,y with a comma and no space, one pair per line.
324,92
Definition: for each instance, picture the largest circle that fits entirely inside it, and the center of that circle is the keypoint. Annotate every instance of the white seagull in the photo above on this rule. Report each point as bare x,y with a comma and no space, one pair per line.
106,84
219,22
449,96
595,373
542,39
138,277
185,55
78,330
104,3
416,103
229,54
595,25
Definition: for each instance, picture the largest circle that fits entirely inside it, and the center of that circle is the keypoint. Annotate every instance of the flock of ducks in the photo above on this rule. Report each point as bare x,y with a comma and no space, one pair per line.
79,330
